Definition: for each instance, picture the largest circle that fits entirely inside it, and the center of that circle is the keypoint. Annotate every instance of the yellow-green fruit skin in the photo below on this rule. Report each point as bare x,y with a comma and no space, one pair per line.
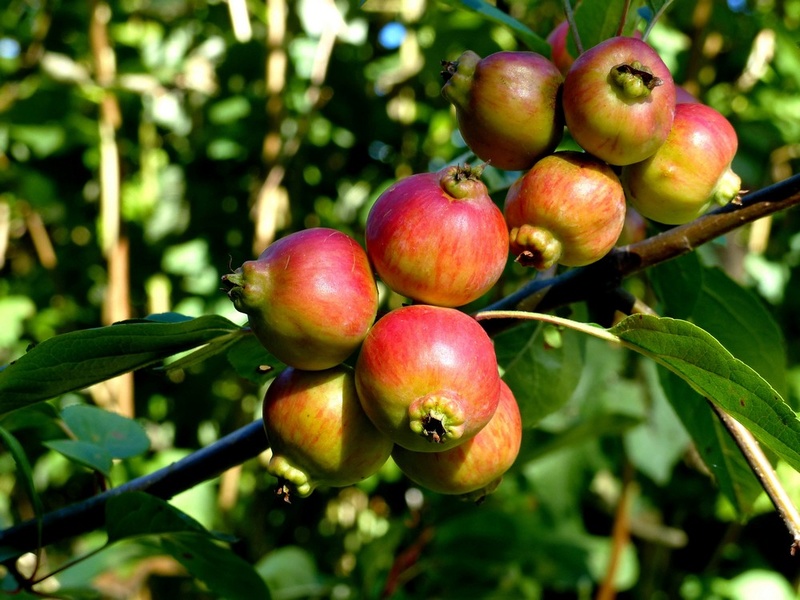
318,433
690,172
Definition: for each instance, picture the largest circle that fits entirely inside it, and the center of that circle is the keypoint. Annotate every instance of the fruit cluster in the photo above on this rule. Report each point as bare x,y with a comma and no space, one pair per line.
425,388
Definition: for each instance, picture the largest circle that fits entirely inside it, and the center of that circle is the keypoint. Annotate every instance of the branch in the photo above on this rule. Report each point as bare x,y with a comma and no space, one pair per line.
603,277
764,472
233,449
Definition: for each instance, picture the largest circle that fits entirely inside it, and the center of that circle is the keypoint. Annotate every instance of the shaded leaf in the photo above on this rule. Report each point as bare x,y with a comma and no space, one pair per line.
678,284
75,360
491,13
134,514
224,573
251,360
658,443
119,436
88,454
541,376
25,477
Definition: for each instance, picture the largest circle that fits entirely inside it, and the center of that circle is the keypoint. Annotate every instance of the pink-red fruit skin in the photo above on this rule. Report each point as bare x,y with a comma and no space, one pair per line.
559,52
438,238
476,467
310,297
427,377
318,433
507,106
619,100
690,172
568,209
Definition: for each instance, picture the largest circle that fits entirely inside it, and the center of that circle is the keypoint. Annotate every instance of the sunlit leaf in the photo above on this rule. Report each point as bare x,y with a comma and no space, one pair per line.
699,359
75,360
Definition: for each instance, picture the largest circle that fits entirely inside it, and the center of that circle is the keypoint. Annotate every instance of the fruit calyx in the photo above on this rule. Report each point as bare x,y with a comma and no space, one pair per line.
438,417
727,188
463,182
463,67
292,481
458,78
233,284
634,80
537,247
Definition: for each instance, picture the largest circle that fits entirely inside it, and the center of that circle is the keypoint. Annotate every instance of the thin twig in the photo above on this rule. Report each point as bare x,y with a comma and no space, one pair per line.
573,26
620,534
765,474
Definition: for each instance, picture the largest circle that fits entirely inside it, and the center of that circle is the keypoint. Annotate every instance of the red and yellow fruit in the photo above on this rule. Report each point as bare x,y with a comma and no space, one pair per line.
690,172
318,433
568,209
310,297
427,377
507,106
619,100
438,238
476,467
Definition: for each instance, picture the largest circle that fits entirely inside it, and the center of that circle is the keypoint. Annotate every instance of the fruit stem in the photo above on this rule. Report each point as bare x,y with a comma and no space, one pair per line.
634,80
535,247
462,182
727,188
573,26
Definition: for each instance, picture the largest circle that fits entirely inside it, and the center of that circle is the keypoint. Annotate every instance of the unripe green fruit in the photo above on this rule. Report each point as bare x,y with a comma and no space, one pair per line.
318,432
310,297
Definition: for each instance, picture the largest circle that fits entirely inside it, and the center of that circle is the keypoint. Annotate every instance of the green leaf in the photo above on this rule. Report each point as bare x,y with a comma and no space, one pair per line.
25,477
495,15
250,359
119,436
134,514
738,319
292,571
714,444
75,360
88,454
223,572
657,444
678,284
598,20
713,372
731,313
542,377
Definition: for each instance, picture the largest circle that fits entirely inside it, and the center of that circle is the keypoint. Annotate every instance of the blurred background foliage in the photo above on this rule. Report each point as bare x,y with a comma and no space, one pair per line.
149,146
